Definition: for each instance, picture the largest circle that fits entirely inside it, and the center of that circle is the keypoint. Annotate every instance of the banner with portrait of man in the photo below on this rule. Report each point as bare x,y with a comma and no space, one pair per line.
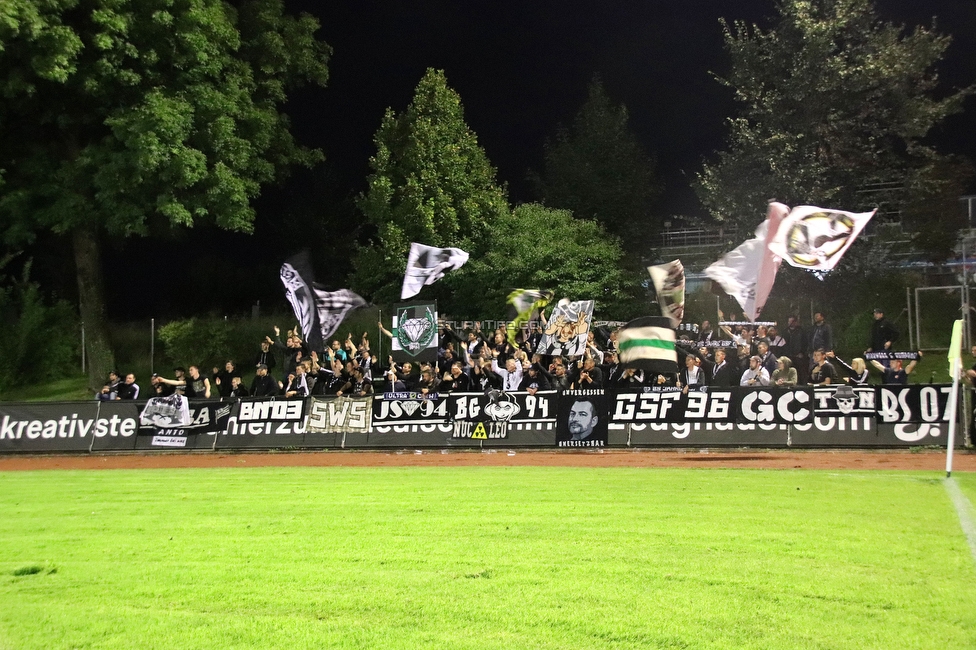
582,419
566,329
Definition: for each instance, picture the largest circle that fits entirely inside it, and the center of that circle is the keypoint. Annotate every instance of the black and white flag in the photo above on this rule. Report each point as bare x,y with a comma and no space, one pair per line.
319,312
427,265
170,412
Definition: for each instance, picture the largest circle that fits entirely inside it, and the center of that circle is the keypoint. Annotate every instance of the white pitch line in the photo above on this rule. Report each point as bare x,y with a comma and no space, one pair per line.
967,516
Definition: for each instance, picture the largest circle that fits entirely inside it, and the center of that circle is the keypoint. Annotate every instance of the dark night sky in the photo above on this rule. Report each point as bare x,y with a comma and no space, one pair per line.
520,68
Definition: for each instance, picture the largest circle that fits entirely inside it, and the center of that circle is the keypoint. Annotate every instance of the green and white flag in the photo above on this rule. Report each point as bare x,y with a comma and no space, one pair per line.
525,302
648,344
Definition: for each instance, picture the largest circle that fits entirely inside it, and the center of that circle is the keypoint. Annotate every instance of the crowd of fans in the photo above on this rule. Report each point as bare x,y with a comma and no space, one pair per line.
731,354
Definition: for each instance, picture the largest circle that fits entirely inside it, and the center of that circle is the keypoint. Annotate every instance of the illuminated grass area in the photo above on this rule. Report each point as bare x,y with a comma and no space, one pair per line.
483,558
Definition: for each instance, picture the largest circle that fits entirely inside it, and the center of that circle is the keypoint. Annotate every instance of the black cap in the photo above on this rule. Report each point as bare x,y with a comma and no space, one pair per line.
878,310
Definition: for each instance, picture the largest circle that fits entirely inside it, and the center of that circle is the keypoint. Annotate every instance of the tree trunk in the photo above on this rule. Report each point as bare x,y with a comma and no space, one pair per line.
91,304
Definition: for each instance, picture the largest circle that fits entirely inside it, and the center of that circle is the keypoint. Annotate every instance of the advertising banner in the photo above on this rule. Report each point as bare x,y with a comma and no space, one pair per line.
122,426
54,426
698,434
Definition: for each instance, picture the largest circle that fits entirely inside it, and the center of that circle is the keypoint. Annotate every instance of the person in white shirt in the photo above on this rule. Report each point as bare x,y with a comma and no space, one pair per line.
511,374
756,375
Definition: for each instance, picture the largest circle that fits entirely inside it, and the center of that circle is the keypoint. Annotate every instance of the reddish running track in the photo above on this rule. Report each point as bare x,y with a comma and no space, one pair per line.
964,461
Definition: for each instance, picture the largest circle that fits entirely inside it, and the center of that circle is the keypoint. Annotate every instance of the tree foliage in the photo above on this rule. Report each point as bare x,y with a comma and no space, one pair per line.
29,323
597,169
118,116
116,113
537,247
431,183
832,100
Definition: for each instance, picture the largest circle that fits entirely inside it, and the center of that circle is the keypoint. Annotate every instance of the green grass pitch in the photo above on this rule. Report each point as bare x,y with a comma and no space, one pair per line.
483,558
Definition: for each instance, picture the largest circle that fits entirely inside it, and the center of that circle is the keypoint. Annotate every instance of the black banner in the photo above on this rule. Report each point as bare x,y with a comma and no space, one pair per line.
888,355
844,400
741,404
770,405
410,412
582,419
913,404
496,414
263,424
887,416
711,343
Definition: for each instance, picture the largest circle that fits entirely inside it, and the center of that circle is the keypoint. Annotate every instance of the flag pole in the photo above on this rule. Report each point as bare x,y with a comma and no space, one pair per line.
379,338
954,364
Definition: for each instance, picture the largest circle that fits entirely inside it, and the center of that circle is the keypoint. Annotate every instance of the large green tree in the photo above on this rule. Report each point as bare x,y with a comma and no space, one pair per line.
834,101
121,116
536,247
431,183
597,169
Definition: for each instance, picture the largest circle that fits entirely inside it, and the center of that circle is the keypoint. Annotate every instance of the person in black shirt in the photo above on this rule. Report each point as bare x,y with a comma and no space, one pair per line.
129,389
534,380
822,373
883,333
238,388
895,373
224,378
266,356
264,384
456,381
392,384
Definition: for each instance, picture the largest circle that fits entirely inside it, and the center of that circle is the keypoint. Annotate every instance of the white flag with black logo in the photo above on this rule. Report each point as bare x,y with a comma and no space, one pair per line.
319,312
815,239
427,265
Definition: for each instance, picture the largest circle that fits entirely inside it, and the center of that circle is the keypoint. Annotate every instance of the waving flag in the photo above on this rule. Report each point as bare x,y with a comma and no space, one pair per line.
319,312
427,265
525,302
669,282
747,273
648,344
815,239
567,329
